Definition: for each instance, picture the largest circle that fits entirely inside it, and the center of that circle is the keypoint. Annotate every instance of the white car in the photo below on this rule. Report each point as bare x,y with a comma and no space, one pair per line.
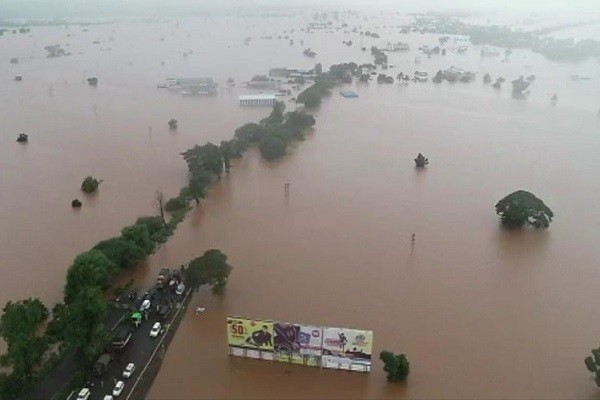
108,397
118,388
129,369
145,305
155,329
83,394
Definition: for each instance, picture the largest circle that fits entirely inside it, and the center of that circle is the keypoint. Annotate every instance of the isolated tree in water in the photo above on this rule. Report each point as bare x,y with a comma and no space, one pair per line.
522,208
396,366
210,269
593,364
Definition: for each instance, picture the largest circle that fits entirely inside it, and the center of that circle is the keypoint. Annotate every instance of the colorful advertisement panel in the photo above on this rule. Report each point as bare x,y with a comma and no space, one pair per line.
298,344
349,349
250,334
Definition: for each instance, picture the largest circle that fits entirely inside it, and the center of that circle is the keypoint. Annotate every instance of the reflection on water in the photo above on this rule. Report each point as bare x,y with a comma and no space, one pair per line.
481,312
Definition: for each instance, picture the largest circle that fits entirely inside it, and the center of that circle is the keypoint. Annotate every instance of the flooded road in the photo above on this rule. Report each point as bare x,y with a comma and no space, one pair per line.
481,312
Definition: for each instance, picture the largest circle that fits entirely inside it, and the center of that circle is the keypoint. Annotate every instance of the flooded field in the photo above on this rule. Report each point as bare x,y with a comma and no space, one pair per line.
481,312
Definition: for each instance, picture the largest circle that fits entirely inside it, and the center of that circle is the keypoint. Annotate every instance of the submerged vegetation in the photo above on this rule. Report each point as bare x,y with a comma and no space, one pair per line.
396,366
522,208
90,184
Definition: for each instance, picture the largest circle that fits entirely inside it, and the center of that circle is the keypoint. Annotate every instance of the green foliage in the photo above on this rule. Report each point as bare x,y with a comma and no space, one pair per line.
209,269
123,253
90,269
19,326
197,187
83,325
396,366
207,157
250,132
90,184
139,235
226,152
276,116
523,208
592,363
176,204
272,147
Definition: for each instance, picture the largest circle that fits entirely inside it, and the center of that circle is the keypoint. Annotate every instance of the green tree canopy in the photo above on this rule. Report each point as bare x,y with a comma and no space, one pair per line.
139,235
250,132
19,326
207,157
90,269
90,184
209,269
396,366
123,253
523,208
84,323
272,147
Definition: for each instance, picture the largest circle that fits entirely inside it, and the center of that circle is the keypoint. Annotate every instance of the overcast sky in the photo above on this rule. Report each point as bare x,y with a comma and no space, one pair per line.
57,8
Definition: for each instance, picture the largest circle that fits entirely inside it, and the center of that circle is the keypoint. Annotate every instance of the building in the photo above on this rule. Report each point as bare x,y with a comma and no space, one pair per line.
258,100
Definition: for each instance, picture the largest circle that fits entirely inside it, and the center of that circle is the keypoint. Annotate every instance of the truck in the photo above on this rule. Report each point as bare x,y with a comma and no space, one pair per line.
163,278
100,366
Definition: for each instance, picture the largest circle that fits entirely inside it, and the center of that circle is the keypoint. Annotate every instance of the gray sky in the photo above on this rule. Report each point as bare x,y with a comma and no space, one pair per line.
58,8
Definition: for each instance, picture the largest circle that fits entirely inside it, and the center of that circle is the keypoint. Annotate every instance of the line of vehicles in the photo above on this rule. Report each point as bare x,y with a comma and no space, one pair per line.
157,303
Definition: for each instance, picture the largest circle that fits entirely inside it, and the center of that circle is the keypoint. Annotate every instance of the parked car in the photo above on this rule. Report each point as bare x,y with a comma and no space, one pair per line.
129,369
155,329
83,394
120,385
108,397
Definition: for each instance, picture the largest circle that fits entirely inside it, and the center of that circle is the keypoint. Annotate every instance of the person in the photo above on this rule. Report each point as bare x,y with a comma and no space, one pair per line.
261,337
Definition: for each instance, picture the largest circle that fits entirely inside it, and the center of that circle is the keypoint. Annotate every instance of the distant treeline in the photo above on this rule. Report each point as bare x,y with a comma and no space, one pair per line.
502,36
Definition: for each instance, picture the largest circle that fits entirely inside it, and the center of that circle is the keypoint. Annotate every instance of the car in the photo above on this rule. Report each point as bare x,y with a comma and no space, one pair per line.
129,369
83,394
145,305
155,329
119,386
107,397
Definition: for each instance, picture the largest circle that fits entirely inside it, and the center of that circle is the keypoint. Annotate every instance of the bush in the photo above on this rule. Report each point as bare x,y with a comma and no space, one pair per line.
396,366
523,208
90,184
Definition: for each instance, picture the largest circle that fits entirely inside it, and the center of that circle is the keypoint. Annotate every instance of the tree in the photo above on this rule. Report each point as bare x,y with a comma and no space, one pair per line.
90,184
250,132
159,202
310,97
176,204
523,208
197,186
318,68
139,235
173,123
593,364
84,323
123,253
19,327
226,152
276,116
207,157
89,269
396,366
209,269
272,147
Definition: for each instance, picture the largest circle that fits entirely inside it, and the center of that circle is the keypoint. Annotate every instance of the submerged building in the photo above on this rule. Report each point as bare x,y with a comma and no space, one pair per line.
257,100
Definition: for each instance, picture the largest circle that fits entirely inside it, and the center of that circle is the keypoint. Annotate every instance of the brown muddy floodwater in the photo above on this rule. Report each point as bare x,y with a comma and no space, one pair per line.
481,312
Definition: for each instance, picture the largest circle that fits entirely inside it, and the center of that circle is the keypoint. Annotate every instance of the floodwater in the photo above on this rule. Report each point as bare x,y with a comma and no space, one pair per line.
481,312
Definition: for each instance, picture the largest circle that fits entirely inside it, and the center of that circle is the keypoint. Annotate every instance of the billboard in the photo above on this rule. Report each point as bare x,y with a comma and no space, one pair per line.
338,348
298,344
250,338
349,349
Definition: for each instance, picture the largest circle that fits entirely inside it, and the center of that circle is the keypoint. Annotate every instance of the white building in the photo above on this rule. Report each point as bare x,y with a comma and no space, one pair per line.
258,100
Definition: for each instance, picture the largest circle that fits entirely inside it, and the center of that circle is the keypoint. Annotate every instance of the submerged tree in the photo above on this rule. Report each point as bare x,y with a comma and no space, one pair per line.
396,366
421,161
173,123
90,184
523,208
210,269
593,364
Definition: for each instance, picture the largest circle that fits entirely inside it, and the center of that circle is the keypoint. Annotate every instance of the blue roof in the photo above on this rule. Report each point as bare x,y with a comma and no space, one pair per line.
348,93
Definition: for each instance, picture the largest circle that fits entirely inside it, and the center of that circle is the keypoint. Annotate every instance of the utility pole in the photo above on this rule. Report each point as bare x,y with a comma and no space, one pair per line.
286,190
412,243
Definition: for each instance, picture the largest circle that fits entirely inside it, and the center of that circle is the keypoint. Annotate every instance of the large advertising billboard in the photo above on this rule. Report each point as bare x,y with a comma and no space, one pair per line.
298,344
250,338
339,348
349,349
